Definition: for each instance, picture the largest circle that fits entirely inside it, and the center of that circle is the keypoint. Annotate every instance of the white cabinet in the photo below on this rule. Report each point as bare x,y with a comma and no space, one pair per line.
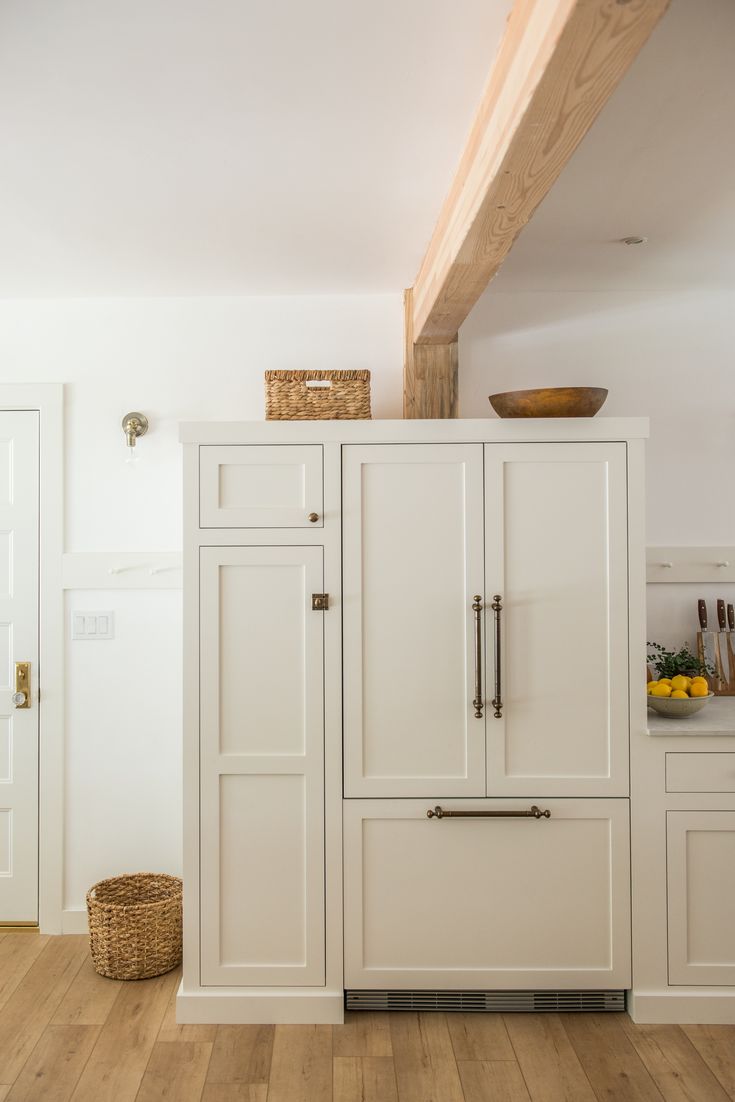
701,897
495,902
320,733
556,539
262,766
413,559
549,536
257,486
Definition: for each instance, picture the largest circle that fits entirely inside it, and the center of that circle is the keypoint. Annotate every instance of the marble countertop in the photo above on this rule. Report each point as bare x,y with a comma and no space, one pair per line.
716,718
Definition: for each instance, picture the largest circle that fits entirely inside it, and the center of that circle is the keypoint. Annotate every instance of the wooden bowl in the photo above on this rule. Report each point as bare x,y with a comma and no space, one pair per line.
555,401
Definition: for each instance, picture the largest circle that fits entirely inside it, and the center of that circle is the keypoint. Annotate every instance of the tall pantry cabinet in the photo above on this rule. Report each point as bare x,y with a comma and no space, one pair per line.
408,652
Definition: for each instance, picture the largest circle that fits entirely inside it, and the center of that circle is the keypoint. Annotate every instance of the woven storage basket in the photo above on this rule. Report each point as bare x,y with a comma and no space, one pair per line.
342,395
135,925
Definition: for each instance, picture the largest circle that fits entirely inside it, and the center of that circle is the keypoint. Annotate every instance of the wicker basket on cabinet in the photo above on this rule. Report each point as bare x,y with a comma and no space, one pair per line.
135,925
317,395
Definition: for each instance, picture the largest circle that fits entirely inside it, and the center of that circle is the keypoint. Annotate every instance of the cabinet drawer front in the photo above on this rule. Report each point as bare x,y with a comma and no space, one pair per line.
413,561
713,772
262,767
700,847
487,903
260,486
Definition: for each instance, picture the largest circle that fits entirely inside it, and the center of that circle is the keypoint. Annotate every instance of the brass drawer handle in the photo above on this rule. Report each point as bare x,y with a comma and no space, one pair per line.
497,701
477,702
534,812
313,517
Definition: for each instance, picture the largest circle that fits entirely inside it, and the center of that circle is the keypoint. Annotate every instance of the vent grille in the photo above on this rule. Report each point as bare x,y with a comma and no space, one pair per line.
482,1001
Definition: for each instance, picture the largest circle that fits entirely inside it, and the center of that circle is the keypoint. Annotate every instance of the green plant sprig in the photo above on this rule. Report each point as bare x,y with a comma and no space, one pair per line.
669,663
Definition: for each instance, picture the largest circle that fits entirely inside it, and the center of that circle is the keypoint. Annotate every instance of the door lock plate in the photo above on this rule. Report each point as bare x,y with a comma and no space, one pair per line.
22,684
319,602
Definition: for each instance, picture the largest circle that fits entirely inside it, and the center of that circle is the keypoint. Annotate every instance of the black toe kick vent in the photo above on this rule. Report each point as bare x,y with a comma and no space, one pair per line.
505,1002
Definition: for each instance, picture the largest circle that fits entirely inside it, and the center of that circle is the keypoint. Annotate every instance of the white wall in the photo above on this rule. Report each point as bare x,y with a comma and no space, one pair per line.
664,355
175,360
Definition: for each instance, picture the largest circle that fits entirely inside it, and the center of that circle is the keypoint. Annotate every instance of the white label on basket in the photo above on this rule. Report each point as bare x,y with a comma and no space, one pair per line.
319,382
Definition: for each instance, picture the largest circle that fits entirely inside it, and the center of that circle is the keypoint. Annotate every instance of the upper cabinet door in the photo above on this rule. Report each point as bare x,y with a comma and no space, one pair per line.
261,486
556,553
413,561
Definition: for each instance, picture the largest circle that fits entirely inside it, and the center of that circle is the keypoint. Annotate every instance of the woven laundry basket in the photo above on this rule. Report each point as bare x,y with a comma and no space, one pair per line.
135,925
317,395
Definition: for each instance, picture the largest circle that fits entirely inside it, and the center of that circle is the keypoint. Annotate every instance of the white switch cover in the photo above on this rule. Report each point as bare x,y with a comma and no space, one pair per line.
93,625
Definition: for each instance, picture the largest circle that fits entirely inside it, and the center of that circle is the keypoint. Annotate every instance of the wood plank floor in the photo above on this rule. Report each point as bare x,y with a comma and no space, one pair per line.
68,1035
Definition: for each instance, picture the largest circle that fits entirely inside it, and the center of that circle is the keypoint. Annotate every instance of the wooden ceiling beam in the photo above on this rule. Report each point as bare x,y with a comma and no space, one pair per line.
558,63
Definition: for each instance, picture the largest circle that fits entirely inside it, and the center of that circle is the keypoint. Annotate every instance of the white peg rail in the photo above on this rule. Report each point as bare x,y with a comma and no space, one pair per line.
690,564
122,570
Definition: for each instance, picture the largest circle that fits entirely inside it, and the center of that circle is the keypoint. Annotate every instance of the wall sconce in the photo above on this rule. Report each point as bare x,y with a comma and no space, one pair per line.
134,425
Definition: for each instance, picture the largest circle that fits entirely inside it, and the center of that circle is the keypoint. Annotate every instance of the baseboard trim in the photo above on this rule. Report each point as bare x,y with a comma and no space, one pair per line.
74,922
682,1007
258,1006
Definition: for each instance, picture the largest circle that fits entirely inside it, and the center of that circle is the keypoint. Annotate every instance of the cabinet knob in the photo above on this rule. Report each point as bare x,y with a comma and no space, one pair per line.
313,517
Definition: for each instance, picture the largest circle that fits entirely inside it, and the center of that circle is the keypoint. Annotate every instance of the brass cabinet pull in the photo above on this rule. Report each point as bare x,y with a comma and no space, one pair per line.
313,517
477,609
497,701
533,812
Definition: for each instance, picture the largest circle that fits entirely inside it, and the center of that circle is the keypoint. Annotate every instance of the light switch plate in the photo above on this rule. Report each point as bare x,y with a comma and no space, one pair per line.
92,625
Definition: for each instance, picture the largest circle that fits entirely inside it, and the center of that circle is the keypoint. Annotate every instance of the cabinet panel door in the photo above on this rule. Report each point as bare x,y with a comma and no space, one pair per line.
556,551
262,766
701,897
413,559
260,486
487,903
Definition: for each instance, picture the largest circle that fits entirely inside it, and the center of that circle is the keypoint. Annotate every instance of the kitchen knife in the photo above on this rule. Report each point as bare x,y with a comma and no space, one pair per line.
723,651
707,647
731,617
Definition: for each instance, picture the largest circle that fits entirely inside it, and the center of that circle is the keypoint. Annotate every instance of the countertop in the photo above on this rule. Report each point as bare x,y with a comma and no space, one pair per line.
716,718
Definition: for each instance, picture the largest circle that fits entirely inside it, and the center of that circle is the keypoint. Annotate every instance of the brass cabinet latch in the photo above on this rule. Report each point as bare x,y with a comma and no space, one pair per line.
319,602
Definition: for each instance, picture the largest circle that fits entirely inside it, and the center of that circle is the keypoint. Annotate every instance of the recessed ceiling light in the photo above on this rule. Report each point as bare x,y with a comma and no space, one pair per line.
634,239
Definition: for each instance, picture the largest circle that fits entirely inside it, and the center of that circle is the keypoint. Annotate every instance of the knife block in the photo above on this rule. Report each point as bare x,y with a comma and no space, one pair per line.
716,648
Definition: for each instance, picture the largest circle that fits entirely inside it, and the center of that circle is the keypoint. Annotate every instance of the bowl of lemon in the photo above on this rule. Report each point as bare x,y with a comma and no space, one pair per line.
678,697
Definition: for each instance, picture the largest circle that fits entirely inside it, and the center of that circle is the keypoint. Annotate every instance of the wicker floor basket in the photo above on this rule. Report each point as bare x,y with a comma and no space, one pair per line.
135,925
317,395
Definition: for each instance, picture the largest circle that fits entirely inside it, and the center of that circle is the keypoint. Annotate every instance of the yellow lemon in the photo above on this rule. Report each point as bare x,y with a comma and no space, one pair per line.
650,685
664,681
698,689
661,689
699,681
680,682
680,694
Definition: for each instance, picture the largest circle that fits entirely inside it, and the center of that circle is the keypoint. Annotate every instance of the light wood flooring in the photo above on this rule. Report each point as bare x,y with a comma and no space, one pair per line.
66,1033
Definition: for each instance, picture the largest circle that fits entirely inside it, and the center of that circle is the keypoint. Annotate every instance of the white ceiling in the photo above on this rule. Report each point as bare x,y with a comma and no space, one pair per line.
659,162
226,147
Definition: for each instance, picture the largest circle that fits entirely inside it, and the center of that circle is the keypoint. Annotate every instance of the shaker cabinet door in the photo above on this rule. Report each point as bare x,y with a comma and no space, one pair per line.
413,561
556,552
262,767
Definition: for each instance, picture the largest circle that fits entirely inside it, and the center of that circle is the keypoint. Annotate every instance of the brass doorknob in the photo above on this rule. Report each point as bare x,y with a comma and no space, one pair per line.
313,517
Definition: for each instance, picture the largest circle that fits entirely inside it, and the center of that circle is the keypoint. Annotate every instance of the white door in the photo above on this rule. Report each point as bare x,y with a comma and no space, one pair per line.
488,903
413,562
262,766
700,869
19,489
556,537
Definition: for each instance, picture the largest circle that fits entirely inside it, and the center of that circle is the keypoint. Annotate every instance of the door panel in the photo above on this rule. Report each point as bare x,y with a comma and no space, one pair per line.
19,501
701,897
262,767
556,552
261,486
413,547
487,903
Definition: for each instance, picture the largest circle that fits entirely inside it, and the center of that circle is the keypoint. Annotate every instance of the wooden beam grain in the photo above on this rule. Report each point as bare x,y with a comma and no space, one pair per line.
559,62
430,374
